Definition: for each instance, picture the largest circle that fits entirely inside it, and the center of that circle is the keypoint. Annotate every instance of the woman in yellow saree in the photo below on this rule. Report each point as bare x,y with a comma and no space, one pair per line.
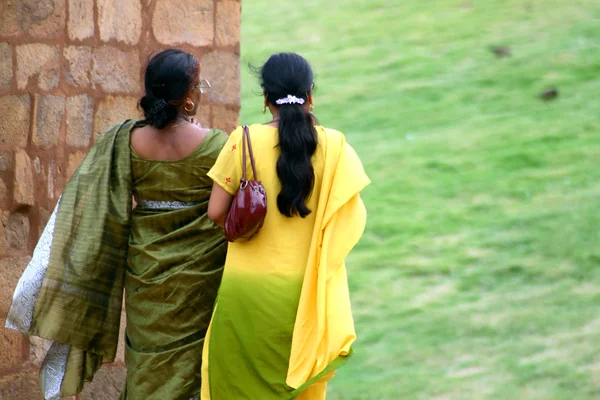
166,253
282,323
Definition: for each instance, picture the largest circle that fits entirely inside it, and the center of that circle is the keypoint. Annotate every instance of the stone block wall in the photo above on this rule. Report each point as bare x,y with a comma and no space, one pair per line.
69,69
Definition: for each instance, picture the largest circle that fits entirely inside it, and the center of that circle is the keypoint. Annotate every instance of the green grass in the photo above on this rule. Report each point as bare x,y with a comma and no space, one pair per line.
478,275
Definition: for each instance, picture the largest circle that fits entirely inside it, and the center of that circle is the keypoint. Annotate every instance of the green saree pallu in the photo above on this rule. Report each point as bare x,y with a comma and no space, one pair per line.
165,256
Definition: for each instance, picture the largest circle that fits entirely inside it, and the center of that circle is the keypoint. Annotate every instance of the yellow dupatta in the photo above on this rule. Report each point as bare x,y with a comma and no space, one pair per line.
324,327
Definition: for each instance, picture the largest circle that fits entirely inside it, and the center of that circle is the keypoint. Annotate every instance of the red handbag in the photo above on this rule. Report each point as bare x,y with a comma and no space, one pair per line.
249,207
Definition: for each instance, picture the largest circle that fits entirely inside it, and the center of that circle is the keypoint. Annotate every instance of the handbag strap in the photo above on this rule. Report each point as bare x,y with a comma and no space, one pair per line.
246,139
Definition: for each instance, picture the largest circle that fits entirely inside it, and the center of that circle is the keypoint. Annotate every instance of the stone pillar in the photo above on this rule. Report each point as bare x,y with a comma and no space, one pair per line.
69,69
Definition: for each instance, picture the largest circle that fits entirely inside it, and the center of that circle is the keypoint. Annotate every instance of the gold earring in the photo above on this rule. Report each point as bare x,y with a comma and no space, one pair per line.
311,108
264,109
186,106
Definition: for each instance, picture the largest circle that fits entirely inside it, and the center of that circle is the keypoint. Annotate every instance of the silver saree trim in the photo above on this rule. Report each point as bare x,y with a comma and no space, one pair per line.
20,315
166,205
29,286
53,370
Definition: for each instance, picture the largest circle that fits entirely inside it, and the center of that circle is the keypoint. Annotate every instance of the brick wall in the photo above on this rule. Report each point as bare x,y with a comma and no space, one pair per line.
68,70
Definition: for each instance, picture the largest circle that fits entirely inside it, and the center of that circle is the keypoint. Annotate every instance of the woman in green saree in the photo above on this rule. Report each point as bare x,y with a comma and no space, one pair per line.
165,252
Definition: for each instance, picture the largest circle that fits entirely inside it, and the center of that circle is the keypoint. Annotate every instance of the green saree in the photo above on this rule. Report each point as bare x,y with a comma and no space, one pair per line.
165,253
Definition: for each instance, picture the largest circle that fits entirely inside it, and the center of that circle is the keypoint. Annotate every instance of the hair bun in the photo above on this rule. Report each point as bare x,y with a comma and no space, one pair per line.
158,106
158,112
169,77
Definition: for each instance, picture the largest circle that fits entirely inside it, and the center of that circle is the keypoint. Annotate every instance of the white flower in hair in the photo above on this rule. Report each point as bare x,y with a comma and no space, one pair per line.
290,100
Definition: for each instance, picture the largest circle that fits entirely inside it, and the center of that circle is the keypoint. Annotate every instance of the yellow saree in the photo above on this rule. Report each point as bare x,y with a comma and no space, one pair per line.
282,323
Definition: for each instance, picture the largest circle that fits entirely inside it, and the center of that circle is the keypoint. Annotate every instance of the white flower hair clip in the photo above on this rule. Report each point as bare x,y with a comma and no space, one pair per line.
290,100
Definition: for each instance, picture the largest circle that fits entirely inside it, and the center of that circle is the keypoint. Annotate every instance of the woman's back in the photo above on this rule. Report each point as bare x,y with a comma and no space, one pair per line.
177,173
172,143
283,242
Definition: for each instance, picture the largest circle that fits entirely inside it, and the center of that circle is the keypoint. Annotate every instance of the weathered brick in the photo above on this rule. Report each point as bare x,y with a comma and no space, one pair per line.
40,18
4,196
6,160
178,22
44,217
107,384
78,65
38,348
23,187
2,231
17,230
39,178
11,345
37,165
14,124
52,180
116,71
49,114
80,110
23,385
59,183
112,110
10,271
74,160
10,24
47,18
81,19
203,116
223,71
225,118
228,23
39,60
6,65
120,20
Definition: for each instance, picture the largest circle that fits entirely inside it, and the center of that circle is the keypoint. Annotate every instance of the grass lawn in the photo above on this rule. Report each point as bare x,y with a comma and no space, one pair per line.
478,276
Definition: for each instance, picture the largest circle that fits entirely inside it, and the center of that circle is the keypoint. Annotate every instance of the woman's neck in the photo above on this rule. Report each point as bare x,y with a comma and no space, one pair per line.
274,120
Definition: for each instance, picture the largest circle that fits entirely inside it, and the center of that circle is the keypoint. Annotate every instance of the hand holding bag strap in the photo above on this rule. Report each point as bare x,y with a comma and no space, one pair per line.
247,136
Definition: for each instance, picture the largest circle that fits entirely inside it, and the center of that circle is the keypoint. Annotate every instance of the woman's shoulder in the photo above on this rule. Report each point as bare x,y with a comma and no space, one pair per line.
330,131
216,134
333,141
330,135
257,128
214,140
259,133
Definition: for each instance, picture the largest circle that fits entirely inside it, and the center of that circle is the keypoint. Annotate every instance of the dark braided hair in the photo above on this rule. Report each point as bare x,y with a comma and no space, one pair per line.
283,75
